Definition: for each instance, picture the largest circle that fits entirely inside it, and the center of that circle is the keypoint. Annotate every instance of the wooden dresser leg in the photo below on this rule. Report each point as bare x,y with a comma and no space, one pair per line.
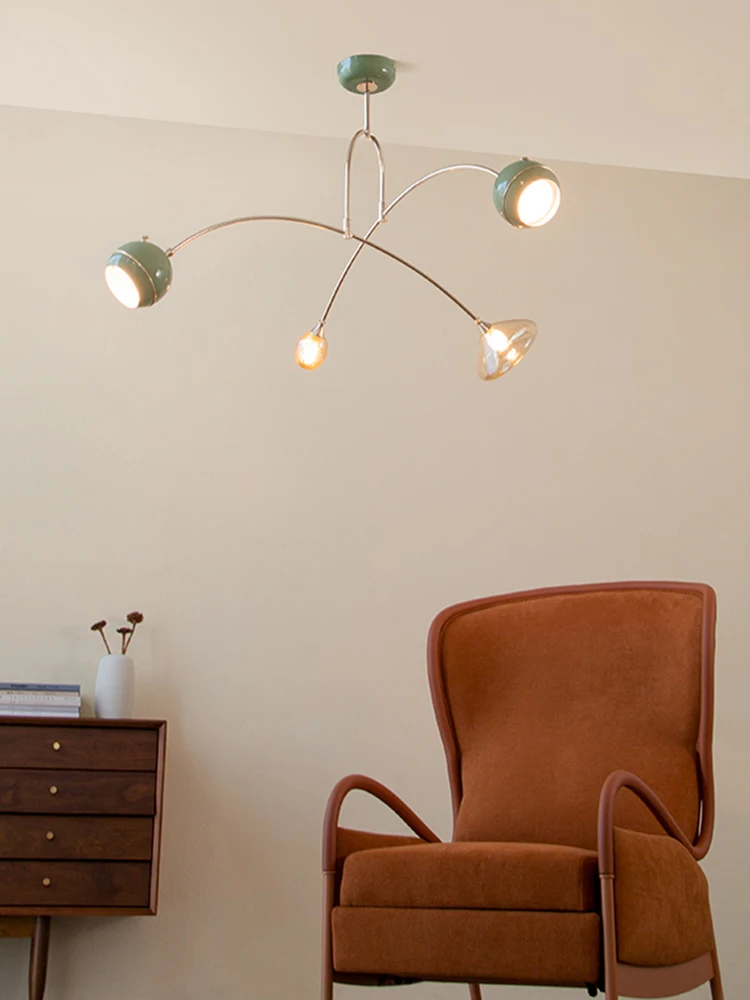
39,955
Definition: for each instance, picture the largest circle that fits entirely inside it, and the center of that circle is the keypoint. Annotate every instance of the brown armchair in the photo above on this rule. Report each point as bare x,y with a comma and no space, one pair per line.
577,726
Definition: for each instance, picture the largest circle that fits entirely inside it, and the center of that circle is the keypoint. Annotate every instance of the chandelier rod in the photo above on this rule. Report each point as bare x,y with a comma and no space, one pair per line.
362,240
399,198
363,133
366,125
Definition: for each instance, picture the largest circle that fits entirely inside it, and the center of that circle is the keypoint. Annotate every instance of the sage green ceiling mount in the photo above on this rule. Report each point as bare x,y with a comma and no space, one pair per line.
366,74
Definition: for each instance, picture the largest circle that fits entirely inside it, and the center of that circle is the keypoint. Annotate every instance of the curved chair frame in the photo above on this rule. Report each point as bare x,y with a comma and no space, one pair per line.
639,981
352,783
632,981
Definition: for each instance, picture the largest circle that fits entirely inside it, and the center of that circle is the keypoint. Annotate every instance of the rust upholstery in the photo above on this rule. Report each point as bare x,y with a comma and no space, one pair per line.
558,949
466,876
539,698
353,841
663,913
548,696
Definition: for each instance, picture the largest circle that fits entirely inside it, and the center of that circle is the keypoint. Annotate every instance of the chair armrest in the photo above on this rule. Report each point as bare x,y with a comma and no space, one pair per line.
605,827
362,783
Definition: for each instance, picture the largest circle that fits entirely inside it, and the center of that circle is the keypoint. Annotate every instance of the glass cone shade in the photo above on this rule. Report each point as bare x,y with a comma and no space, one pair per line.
502,345
311,351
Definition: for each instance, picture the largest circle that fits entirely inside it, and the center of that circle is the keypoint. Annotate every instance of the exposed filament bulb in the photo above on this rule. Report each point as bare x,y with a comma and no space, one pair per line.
311,349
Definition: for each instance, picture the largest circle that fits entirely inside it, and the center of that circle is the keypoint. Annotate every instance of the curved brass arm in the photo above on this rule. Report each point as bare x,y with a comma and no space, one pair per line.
383,216
362,783
605,827
362,240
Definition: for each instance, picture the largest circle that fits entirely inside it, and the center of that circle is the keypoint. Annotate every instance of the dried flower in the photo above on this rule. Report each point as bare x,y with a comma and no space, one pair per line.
123,632
99,627
135,618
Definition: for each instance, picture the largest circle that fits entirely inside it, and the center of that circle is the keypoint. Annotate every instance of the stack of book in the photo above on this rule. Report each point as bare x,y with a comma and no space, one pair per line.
44,700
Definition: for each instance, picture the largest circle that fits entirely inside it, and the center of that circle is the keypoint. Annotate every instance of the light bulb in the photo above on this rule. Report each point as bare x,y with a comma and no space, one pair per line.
311,351
502,345
538,202
526,194
138,273
497,340
122,286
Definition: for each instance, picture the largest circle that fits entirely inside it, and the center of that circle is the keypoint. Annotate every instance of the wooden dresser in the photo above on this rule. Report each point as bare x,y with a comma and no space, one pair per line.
80,824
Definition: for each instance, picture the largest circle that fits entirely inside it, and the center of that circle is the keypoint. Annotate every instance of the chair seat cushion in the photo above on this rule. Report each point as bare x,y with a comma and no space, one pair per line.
473,876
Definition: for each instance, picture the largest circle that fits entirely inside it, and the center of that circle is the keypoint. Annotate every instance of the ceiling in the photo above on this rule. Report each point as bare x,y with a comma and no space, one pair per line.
649,83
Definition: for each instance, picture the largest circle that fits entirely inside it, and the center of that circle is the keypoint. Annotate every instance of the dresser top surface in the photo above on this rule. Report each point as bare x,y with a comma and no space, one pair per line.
57,721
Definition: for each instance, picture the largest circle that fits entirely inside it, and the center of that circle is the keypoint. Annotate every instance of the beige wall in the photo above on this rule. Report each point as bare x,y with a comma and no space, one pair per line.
289,536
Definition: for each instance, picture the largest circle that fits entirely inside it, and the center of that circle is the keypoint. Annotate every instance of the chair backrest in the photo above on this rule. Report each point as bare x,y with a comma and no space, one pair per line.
540,695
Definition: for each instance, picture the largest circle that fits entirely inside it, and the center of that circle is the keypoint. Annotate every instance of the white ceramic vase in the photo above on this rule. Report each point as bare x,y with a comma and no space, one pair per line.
114,696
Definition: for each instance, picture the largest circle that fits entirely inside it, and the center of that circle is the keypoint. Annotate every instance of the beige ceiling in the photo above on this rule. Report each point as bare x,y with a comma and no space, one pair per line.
648,83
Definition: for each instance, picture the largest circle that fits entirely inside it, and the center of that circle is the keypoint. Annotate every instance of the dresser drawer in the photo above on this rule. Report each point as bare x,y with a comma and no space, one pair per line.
74,883
90,747
103,838
78,792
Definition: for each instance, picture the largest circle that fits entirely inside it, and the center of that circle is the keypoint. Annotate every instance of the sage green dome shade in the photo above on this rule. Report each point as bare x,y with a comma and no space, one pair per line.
138,274
527,194
366,74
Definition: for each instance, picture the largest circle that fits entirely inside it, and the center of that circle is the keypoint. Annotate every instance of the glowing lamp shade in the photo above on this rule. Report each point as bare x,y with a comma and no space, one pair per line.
311,351
527,194
138,274
502,345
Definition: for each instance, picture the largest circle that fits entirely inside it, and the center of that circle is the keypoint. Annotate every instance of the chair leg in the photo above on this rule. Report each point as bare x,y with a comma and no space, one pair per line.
475,991
609,936
717,990
326,989
326,986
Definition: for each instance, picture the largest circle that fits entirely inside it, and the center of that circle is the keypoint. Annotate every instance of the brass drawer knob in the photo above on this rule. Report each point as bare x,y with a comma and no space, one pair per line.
53,789
46,881
50,835
56,745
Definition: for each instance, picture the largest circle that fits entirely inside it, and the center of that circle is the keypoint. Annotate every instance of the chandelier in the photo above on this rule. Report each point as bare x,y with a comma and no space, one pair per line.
525,193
